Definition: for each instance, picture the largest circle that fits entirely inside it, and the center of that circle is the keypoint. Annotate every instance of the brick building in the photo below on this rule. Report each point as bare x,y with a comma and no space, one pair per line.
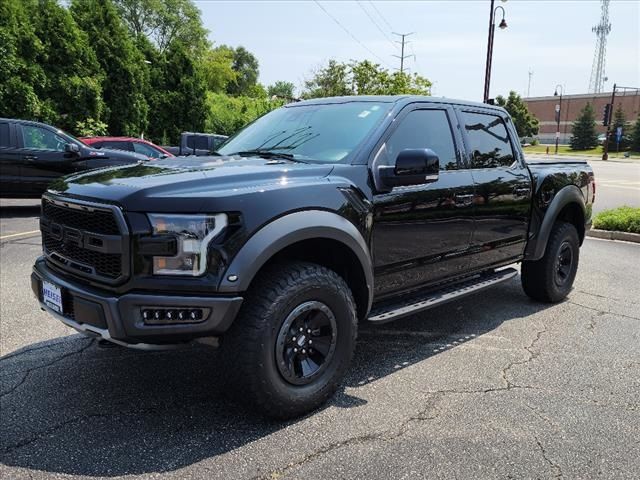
544,109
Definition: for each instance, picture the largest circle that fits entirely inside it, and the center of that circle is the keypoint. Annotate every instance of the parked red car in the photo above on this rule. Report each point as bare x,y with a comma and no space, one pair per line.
129,144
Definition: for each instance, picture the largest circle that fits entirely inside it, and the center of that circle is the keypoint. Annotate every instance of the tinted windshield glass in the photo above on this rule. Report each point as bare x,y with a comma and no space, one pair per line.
323,133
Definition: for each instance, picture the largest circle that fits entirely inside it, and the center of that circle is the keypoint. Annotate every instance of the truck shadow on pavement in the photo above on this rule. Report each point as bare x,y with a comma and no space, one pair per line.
73,408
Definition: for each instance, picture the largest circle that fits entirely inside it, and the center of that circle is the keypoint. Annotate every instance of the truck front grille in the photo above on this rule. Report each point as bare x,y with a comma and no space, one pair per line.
85,239
96,221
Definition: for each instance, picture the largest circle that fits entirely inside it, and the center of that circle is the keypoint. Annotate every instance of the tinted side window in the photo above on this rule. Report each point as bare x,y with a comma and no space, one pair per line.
38,138
488,140
118,145
198,142
4,135
424,129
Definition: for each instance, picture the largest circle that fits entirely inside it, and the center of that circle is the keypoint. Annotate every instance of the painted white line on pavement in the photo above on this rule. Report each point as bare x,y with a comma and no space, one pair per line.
19,234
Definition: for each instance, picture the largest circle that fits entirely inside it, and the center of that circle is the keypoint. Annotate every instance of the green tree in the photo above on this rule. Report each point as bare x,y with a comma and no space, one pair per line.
527,125
165,21
281,89
216,68
246,66
619,120
72,88
125,71
228,114
363,78
330,81
178,95
635,136
583,134
20,74
48,70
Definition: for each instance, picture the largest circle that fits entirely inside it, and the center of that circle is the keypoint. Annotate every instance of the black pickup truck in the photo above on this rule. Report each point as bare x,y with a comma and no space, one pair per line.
315,217
33,154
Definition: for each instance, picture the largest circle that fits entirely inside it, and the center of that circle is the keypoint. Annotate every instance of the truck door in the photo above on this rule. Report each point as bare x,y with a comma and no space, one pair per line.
502,200
43,158
9,161
422,233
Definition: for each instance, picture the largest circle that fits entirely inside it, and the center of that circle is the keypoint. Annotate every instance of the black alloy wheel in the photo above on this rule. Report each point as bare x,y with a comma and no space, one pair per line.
306,342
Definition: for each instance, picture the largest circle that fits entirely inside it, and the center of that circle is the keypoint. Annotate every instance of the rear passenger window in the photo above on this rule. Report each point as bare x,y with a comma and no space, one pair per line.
424,129
4,135
488,140
199,142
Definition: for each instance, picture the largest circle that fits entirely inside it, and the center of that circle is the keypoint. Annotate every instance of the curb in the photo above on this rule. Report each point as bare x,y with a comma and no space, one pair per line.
614,235
592,158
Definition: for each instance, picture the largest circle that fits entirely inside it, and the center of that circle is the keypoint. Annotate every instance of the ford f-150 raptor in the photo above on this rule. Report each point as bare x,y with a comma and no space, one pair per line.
317,216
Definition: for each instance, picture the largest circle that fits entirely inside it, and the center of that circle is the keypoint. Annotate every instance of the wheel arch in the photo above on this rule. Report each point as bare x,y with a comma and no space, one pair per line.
313,235
568,205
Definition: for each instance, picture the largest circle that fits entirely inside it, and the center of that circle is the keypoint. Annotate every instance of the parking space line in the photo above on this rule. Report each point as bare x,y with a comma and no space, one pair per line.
19,234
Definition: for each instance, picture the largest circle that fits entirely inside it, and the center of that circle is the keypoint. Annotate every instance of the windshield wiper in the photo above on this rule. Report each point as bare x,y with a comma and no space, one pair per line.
263,153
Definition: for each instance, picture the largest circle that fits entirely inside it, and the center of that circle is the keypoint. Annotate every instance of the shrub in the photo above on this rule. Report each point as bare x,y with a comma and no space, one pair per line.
622,219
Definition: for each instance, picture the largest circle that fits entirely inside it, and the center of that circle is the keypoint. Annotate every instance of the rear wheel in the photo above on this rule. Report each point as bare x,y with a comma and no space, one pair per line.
294,338
550,279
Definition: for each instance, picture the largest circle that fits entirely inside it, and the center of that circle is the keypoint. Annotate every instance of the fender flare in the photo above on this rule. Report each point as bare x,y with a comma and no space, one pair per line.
290,229
567,195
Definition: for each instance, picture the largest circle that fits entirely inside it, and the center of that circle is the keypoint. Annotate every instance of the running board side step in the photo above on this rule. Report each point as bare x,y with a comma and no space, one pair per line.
418,303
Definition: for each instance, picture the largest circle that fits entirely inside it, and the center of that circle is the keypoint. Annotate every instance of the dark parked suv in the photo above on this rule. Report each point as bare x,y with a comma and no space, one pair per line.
33,154
315,217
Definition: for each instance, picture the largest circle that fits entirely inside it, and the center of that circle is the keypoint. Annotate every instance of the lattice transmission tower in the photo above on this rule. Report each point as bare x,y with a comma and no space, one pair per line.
601,30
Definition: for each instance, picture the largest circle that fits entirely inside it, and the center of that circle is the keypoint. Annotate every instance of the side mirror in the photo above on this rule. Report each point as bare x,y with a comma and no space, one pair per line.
413,167
72,148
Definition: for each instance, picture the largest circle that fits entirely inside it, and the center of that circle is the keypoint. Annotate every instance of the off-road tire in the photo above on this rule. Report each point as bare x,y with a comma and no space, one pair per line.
542,279
250,347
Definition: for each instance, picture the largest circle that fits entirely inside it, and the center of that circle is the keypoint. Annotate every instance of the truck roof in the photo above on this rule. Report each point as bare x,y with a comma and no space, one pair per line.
397,99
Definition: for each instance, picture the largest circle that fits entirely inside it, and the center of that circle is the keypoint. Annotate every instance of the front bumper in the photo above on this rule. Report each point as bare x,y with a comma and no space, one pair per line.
119,319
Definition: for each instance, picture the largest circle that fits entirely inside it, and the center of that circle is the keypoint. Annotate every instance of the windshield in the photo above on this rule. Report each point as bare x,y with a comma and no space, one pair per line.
322,133
70,137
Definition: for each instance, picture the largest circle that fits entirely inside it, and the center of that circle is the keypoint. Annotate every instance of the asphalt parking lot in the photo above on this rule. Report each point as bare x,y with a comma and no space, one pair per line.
493,386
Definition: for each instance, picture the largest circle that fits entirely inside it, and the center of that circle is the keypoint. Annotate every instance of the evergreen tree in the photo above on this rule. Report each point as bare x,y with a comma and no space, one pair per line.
635,136
71,90
583,133
48,71
125,71
527,125
178,95
619,120
19,71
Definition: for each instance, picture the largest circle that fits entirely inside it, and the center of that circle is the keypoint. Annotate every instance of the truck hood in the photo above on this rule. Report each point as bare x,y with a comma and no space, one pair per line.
191,183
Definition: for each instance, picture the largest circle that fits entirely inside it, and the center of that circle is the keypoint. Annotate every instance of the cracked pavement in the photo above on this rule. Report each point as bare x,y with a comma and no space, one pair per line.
492,386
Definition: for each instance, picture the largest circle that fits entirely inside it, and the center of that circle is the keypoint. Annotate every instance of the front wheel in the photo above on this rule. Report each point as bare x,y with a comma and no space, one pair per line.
293,341
550,279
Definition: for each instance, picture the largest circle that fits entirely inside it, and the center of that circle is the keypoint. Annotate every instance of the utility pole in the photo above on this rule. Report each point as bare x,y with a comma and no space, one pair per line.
529,86
402,56
605,147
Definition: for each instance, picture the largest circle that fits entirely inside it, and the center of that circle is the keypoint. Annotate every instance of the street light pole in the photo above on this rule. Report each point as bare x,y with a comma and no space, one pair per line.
558,113
492,28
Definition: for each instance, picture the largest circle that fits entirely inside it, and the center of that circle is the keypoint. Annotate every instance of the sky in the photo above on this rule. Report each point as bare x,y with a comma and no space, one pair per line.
552,38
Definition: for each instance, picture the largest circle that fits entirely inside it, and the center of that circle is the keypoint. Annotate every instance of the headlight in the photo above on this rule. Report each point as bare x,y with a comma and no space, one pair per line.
193,233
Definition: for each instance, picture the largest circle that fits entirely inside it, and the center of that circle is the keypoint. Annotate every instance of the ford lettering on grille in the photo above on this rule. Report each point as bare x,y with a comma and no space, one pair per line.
85,239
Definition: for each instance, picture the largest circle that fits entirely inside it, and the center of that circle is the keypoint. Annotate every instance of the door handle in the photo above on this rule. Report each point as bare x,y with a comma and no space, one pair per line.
463,199
30,158
521,192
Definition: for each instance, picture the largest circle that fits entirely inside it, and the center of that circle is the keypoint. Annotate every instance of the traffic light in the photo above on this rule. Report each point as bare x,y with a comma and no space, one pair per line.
606,115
